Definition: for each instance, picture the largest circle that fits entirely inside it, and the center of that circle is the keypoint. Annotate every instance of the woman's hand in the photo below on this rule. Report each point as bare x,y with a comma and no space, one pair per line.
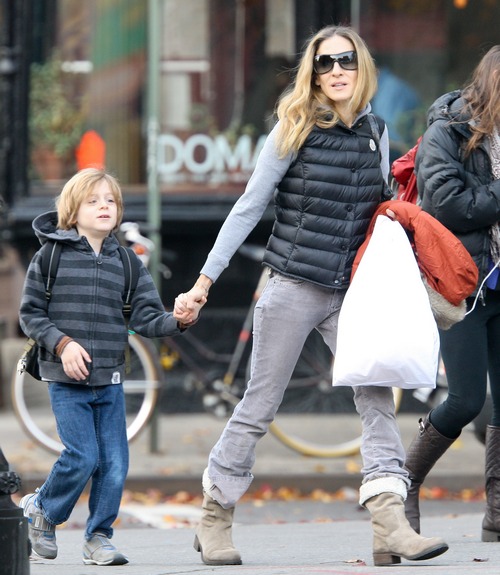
188,305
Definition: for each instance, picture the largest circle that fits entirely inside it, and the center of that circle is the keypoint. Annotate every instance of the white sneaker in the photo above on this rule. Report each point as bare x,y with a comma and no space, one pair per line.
99,550
42,534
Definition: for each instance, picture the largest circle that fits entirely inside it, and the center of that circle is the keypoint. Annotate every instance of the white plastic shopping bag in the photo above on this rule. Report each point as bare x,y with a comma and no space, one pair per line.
387,335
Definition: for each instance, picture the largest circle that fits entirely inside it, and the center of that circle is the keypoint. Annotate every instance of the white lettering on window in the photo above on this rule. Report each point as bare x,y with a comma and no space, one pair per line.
203,158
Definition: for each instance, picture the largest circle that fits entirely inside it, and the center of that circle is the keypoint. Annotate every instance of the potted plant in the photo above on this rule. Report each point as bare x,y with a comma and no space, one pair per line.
55,120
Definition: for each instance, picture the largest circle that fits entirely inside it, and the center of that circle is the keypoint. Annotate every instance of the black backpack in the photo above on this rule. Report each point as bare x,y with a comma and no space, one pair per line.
51,252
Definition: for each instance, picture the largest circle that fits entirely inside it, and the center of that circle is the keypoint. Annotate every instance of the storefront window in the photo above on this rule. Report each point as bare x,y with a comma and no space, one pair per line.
223,64
93,76
423,49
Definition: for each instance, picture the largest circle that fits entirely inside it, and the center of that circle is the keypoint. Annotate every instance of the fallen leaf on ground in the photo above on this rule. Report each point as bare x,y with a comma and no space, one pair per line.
355,561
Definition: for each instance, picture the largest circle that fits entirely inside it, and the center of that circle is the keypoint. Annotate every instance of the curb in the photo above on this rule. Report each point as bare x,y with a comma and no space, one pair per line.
170,485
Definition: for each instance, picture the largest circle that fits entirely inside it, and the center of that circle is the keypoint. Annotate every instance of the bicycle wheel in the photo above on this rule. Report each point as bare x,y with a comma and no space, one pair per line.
325,427
142,384
31,404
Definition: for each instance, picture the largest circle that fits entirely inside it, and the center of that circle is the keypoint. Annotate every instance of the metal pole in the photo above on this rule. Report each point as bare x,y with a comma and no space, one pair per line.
239,65
154,200
355,15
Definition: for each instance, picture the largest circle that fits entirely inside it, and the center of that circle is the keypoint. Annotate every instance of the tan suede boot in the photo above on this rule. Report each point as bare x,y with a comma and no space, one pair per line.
393,537
213,535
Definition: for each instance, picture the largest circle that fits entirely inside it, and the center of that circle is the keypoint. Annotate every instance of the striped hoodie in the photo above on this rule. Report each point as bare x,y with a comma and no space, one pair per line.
86,304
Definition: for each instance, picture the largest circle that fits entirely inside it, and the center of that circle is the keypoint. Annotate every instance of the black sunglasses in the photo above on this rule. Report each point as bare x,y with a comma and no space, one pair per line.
323,63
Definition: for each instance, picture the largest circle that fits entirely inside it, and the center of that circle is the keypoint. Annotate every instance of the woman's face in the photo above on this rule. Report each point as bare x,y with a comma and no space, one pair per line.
338,84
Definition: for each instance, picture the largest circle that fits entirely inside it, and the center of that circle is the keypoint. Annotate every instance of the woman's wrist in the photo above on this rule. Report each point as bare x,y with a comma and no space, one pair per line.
204,283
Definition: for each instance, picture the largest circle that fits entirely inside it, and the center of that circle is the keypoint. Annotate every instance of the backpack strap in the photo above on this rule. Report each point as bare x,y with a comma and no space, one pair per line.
131,270
376,125
51,252
50,260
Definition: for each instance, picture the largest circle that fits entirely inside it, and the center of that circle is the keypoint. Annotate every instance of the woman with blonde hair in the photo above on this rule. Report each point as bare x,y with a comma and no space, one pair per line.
326,164
458,178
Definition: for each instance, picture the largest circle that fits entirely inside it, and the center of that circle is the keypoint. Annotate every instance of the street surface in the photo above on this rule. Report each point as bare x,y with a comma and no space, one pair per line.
278,538
301,516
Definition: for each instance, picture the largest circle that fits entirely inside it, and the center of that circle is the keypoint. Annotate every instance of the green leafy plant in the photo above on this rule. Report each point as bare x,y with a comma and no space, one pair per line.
56,119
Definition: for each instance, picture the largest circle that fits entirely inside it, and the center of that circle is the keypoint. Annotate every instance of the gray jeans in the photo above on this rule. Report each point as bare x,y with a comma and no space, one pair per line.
286,313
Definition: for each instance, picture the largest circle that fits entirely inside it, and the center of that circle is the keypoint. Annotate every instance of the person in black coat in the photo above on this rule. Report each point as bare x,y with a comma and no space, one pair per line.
458,177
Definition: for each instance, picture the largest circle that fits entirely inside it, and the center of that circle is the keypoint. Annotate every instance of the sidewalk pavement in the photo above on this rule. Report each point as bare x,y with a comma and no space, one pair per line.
334,537
337,548
184,441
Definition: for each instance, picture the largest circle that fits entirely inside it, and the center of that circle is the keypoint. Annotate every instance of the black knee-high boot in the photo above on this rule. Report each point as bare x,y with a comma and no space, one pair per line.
425,449
491,520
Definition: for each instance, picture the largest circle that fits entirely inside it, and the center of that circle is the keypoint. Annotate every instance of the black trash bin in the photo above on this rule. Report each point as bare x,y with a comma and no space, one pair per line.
15,546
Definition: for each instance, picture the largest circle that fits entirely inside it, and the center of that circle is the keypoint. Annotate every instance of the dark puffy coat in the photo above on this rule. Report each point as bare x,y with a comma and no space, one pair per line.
456,189
324,204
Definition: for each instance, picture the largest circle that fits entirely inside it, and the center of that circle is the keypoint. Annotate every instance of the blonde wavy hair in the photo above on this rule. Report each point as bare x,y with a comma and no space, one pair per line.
77,189
304,105
481,97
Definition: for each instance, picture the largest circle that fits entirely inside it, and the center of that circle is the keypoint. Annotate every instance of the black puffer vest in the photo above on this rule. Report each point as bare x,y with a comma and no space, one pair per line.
324,204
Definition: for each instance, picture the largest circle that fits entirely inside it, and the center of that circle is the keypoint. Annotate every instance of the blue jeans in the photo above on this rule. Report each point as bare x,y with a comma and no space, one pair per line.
286,313
92,426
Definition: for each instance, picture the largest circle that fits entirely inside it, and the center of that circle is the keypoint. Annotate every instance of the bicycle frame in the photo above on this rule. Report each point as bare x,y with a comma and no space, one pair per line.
234,360
312,381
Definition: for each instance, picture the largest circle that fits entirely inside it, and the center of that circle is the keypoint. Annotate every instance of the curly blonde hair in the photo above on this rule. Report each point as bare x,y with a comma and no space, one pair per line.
303,105
77,189
481,98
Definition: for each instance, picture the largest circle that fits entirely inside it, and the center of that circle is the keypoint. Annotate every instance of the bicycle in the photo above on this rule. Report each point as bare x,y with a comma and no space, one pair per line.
31,404
325,428
310,389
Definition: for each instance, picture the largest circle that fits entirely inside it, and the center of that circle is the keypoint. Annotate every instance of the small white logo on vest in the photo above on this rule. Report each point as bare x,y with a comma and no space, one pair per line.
373,147
115,378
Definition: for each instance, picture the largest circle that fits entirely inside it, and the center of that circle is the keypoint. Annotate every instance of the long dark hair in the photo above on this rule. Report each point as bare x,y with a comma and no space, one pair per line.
481,96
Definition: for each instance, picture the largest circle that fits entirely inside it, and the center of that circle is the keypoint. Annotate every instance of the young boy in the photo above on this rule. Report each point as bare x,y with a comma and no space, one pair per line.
82,337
